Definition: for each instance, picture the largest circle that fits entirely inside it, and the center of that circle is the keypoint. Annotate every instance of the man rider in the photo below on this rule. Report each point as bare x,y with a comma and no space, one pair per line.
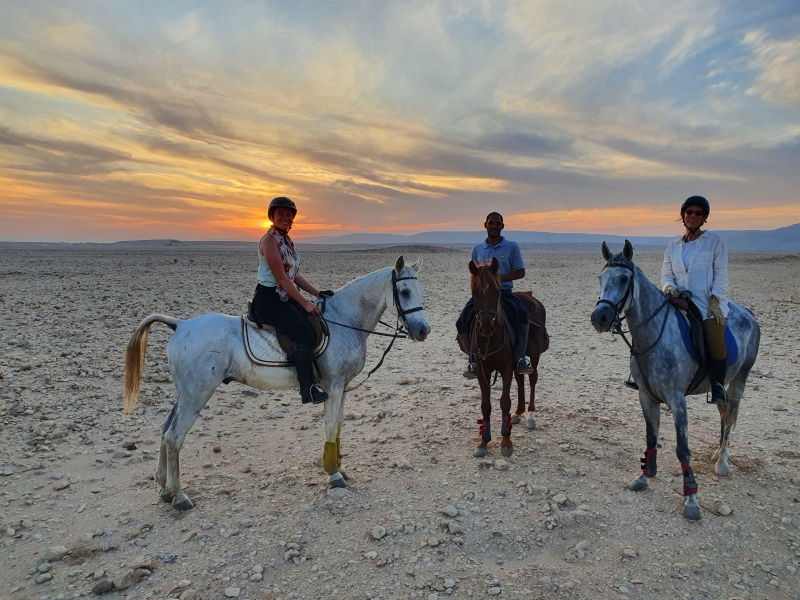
509,258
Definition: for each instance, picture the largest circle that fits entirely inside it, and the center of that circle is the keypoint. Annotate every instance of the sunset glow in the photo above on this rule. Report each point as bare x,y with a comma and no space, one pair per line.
125,121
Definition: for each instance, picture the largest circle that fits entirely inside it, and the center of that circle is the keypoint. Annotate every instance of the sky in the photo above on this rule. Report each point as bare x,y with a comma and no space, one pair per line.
140,120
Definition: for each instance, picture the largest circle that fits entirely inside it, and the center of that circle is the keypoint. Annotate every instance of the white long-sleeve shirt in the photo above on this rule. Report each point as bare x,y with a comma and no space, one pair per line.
707,274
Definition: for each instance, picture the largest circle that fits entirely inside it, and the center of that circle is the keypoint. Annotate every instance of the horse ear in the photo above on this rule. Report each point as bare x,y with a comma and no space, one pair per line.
627,250
606,252
417,265
495,266
399,264
473,268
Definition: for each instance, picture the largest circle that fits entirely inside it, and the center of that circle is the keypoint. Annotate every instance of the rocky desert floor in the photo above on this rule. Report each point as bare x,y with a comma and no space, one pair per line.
79,508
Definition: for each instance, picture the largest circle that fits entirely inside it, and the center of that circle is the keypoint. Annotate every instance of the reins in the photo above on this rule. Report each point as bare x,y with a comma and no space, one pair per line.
400,329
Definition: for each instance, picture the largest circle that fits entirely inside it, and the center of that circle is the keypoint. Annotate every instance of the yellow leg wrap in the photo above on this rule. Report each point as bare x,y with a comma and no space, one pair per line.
329,458
338,452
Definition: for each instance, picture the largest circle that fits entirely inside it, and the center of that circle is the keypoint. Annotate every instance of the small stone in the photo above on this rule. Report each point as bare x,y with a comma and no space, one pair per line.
232,592
434,542
449,583
371,555
121,454
449,510
55,553
454,528
571,472
378,532
560,499
7,471
275,469
256,577
99,574
381,562
307,508
724,510
129,445
734,579
501,465
730,526
258,569
43,577
623,589
494,590
142,562
544,580
404,463
629,553
338,493
103,586
539,489
130,578
372,438
433,596
61,485
44,567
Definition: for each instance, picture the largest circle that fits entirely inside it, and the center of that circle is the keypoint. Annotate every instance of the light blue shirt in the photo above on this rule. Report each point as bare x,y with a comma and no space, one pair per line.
506,252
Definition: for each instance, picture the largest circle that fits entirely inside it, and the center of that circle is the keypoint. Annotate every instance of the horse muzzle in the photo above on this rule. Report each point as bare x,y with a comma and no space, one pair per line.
419,333
603,317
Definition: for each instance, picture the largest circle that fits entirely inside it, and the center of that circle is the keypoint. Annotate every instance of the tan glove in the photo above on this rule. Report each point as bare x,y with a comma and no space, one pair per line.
670,292
716,312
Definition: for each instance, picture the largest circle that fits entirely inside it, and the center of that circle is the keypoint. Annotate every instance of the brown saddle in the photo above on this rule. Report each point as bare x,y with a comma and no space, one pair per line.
538,337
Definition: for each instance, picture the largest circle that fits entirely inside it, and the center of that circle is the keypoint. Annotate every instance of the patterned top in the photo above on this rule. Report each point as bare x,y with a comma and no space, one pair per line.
290,258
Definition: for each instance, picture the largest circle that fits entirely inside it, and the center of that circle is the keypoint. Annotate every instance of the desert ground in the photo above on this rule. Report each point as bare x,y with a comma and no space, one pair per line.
78,504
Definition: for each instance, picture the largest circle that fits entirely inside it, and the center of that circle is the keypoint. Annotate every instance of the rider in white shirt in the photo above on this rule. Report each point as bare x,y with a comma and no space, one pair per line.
698,262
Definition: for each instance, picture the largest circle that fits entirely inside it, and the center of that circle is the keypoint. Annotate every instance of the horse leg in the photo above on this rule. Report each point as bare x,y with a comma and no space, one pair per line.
333,427
174,437
728,413
652,419
515,418
484,430
339,439
533,379
506,445
691,509
161,471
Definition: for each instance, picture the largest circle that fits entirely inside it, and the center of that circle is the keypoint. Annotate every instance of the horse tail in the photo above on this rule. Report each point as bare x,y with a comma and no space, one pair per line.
135,355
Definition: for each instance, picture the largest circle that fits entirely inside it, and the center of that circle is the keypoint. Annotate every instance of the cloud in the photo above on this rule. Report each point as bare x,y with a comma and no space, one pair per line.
778,64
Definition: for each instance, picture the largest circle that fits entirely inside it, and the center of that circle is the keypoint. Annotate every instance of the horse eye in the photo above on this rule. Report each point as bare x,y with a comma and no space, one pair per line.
405,293
624,279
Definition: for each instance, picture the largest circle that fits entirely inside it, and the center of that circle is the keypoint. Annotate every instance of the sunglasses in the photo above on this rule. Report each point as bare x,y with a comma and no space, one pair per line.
691,212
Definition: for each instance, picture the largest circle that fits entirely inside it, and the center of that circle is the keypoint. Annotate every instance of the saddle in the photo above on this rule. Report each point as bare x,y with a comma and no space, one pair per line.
265,347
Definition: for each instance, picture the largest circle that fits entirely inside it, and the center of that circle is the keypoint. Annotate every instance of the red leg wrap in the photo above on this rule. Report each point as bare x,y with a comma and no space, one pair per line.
689,483
483,430
506,429
649,462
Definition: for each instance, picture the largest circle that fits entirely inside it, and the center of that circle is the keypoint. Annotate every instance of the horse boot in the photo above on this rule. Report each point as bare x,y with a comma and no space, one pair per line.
309,390
470,372
717,368
523,366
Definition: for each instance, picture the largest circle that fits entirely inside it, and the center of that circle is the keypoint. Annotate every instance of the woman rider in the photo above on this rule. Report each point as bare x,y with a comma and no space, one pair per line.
278,300
698,262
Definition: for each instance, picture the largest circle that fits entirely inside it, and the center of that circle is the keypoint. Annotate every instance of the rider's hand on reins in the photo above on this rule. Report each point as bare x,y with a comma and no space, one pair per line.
670,292
716,311
311,308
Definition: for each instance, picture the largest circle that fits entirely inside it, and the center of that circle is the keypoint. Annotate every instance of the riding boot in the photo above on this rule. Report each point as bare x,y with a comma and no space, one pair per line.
470,372
309,390
717,368
523,365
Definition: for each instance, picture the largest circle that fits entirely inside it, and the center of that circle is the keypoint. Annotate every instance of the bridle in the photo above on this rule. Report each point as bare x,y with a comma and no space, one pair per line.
401,312
619,306
492,313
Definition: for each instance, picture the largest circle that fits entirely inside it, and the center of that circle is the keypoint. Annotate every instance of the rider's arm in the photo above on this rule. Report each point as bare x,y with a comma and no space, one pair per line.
514,275
516,263
269,248
305,285
667,274
720,283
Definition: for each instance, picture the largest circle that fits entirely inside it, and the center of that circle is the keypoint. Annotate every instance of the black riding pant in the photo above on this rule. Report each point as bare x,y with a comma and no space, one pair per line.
287,318
518,315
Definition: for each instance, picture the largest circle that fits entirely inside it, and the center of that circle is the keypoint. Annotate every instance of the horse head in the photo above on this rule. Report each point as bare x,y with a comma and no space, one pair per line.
616,288
485,284
406,299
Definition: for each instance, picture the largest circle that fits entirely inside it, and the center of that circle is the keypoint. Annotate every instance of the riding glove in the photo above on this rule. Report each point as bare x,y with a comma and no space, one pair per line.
325,293
670,292
716,312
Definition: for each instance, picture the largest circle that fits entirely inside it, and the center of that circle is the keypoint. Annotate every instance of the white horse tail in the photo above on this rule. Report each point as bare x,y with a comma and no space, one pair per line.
135,355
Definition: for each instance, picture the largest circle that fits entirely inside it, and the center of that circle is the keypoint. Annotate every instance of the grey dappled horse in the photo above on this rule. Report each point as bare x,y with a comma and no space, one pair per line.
208,350
662,367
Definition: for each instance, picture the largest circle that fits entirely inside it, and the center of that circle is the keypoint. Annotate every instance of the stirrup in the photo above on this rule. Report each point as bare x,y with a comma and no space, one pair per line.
629,382
470,372
526,368
316,395
721,394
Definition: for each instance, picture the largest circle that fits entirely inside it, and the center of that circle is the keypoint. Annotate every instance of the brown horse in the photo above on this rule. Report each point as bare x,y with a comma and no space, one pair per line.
493,351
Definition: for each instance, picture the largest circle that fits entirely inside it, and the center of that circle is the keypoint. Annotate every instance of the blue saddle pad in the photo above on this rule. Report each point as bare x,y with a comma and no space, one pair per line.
730,341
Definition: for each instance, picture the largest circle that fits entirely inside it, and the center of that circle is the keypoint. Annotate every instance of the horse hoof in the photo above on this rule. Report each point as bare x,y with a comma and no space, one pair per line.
337,481
531,421
507,451
639,484
181,502
715,456
166,496
343,474
692,509
515,419
479,452
722,469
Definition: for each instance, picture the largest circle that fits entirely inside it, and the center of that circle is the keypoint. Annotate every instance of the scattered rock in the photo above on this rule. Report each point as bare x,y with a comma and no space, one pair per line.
495,590
103,586
454,528
372,555
404,463
55,553
560,499
232,592
44,567
7,471
629,553
43,577
449,510
130,578
378,532
724,510
338,493
501,465
275,469
61,485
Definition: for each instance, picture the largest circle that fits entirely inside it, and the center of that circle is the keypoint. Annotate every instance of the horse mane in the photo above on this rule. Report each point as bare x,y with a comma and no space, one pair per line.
484,278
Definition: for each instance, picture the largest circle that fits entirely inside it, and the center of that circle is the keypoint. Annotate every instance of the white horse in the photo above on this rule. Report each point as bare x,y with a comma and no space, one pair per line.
208,350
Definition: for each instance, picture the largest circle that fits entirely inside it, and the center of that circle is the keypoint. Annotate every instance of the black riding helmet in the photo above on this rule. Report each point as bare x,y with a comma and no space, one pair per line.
696,201
281,201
